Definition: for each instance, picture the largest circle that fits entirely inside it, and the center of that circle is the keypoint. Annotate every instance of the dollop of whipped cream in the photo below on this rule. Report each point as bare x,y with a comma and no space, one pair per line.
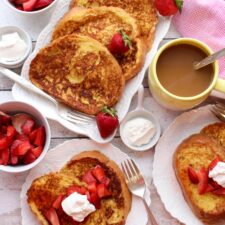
12,47
218,173
139,131
77,206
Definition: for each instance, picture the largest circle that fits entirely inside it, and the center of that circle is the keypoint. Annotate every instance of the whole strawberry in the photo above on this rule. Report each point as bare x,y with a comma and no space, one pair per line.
120,43
107,122
168,7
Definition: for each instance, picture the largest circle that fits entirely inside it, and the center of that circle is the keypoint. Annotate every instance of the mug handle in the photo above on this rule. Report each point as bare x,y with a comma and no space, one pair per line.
220,85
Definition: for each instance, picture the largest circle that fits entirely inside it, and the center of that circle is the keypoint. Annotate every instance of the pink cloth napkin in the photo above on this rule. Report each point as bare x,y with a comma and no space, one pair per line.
204,20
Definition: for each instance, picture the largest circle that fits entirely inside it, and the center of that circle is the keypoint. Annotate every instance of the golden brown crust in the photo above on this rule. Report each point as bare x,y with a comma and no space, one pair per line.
198,151
54,184
101,23
73,70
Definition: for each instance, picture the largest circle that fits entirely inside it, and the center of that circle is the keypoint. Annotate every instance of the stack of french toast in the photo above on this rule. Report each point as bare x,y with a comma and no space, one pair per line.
95,49
194,160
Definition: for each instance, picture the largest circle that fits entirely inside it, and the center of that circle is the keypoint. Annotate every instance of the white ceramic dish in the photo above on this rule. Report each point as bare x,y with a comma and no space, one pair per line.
130,89
164,177
57,158
141,112
13,107
23,35
40,12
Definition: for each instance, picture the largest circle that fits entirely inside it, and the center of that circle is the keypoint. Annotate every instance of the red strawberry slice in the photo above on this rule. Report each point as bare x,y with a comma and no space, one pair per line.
107,122
192,175
105,181
4,143
52,217
75,188
4,118
210,188
88,177
14,160
220,191
203,181
103,191
42,3
28,126
29,5
29,158
214,184
37,151
21,149
37,137
92,187
98,173
94,199
19,2
10,133
213,163
57,203
5,156
22,137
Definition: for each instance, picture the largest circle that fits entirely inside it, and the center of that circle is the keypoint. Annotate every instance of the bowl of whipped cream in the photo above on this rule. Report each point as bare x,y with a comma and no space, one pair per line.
15,46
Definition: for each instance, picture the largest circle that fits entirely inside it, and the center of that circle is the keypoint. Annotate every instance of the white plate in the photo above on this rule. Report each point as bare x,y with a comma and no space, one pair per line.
124,103
59,156
163,173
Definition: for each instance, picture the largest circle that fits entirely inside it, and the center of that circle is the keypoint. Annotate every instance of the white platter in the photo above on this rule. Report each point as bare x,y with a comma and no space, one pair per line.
48,108
163,173
57,158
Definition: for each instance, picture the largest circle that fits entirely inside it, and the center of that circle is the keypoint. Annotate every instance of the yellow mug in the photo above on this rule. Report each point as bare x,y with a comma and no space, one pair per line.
172,101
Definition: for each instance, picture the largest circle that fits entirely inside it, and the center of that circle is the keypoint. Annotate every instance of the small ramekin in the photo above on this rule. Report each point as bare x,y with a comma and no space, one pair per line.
23,35
13,107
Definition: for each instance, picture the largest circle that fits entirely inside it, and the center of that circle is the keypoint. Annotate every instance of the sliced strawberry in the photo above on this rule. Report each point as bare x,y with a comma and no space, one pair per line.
213,163
192,175
214,184
4,143
14,160
103,191
52,217
4,119
22,137
87,193
5,156
210,188
105,181
98,173
15,144
29,5
37,137
10,133
75,188
94,199
20,1
21,149
92,187
203,181
57,203
88,177
220,191
28,126
37,151
42,3
29,158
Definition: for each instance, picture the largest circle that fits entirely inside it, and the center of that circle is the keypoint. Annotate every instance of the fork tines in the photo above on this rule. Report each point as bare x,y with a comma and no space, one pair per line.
219,111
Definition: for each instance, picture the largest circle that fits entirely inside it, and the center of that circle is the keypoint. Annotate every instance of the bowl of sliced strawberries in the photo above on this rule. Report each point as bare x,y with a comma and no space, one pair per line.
24,136
31,6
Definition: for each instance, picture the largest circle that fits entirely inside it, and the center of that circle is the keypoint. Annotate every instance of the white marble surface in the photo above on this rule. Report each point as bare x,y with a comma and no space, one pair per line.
12,183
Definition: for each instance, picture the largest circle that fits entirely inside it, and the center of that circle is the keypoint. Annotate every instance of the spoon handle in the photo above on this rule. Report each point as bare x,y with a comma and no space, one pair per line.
209,59
25,83
140,97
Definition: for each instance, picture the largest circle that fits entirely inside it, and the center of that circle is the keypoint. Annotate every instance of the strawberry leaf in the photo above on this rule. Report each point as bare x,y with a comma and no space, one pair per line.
112,112
126,39
179,4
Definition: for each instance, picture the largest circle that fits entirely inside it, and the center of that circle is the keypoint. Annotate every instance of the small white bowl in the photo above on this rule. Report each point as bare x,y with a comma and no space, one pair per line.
142,113
39,12
23,35
13,107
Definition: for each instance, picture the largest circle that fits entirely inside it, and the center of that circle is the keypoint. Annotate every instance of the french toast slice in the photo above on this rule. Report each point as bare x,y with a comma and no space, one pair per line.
143,11
215,131
101,23
113,210
199,151
80,72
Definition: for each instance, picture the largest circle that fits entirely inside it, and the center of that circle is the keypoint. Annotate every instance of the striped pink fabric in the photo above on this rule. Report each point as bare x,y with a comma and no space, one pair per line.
204,20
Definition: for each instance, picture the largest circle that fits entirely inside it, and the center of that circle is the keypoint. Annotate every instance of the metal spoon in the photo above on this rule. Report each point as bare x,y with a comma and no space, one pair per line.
18,119
206,61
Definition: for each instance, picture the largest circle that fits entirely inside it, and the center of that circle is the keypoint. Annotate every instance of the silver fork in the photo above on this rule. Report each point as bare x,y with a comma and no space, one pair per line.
67,114
219,111
136,184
